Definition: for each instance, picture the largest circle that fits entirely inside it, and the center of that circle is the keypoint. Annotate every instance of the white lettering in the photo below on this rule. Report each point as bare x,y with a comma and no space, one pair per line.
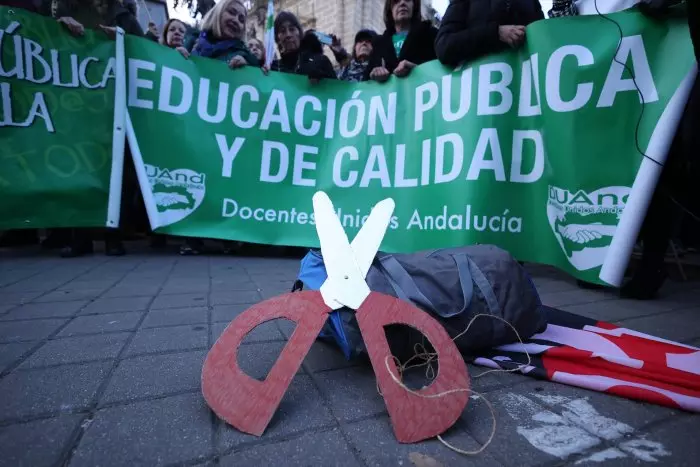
488,87
584,57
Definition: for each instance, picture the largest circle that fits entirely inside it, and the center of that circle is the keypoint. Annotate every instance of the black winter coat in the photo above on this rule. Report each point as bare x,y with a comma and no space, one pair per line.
309,60
418,48
469,28
694,25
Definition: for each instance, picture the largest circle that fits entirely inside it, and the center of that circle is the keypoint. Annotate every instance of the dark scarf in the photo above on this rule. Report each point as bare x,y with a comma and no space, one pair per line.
354,71
223,50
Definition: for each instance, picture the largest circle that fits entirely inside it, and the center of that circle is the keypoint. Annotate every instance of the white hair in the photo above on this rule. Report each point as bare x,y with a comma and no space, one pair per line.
212,20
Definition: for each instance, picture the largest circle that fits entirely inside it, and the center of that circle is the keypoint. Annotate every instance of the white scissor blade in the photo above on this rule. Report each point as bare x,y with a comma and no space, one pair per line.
366,243
344,285
335,245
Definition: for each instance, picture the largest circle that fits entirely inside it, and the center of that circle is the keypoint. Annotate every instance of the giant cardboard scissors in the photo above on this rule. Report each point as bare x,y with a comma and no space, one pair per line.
249,404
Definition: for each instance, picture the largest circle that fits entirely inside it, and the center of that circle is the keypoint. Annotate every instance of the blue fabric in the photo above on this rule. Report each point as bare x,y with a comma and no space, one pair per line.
313,274
312,271
223,50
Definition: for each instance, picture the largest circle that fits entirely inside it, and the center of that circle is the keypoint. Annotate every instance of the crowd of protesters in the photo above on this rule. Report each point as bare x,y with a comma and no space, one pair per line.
469,30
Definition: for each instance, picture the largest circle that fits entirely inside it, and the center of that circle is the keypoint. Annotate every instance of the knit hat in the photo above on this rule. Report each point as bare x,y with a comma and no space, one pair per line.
363,34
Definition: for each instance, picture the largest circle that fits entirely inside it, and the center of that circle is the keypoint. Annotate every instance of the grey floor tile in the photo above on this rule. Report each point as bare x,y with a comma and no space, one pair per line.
527,433
326,448
50,390
670,443
235,297
185,287
377,445
266,294
352,392
226,313
548,285
135,290
36,444
10,353
179,301
27,331
103,283
256,359
564,399
17,298
675,325
541,422
575,297
301,409
175,317
620,309
151,433
154,375
231,284
284,276
169,339
101,323
77,349
117,305
287,327
483,380
69,295
38,284
263,333
45,310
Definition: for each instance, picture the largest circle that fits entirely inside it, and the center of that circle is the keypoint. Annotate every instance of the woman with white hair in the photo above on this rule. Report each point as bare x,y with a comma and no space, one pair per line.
223,35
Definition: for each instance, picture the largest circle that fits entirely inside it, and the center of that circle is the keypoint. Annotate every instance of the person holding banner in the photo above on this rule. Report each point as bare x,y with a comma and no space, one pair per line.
406,42
361,50
222,38
35,6
76,15
678,179
223,34
257,48
300,52
173,36
474,28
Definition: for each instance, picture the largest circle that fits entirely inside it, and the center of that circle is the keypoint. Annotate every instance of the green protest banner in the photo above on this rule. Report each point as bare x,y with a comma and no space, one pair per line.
533,150
56,118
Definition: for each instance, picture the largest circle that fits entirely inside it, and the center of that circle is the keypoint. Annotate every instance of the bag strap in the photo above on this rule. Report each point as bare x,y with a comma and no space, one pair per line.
465,278
407,290
485,287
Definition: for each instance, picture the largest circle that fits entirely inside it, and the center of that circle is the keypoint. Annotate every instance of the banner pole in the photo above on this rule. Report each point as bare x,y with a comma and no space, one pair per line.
620,250
118,136
141,175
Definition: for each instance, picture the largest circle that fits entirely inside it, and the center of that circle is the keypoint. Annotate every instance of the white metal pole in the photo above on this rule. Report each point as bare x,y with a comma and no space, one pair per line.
146,191
117,172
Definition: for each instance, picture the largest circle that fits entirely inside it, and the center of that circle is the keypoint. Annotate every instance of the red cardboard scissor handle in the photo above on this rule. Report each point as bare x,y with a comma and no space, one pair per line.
415,415
249,404
244,402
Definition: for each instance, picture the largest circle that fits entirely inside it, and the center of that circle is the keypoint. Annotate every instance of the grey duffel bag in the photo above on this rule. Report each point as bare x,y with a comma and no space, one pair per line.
456,284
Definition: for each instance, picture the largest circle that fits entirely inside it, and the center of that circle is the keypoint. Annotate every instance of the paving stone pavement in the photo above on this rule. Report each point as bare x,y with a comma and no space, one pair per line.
100,364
